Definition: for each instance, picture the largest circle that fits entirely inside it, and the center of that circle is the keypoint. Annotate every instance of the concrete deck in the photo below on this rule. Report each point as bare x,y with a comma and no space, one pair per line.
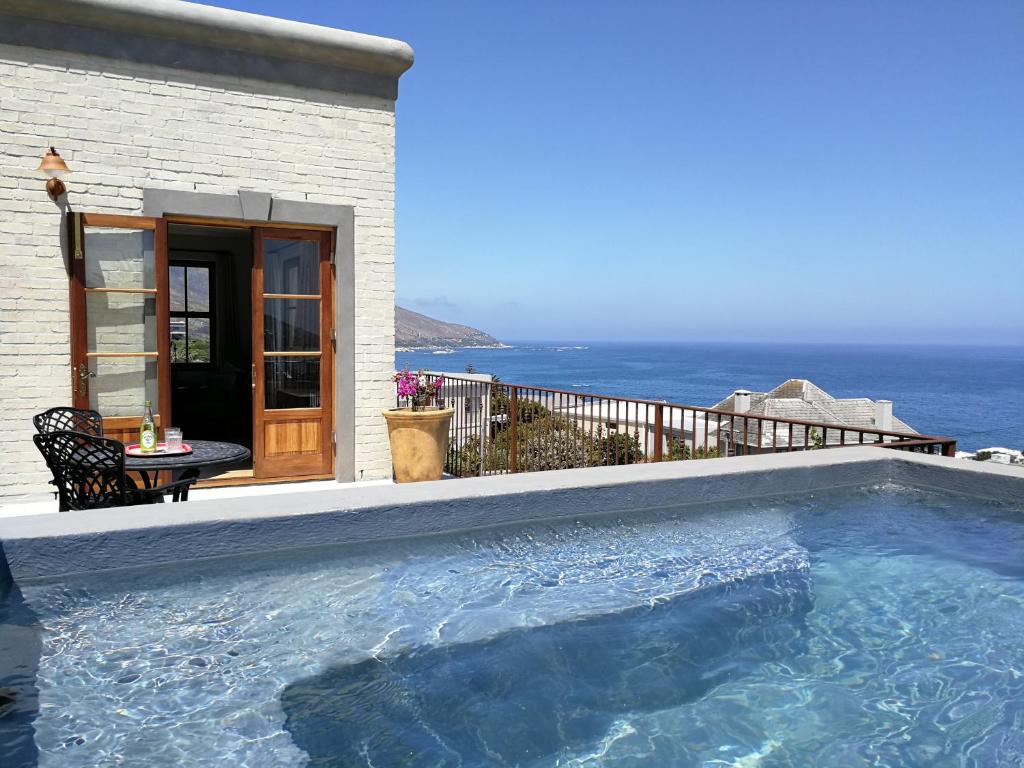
45,504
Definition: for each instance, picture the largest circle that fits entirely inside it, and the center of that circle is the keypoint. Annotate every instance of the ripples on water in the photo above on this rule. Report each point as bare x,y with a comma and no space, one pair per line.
882,627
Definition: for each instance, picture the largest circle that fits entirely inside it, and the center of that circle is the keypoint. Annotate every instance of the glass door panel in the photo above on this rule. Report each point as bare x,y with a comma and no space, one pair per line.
291,267
121,341
291,383
120,386
291,325
121,259
118,298
120,322
291,322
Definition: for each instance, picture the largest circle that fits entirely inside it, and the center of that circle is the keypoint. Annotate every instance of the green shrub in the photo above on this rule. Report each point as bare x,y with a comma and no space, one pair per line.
545,441
619,448
680,451
464,461
529,411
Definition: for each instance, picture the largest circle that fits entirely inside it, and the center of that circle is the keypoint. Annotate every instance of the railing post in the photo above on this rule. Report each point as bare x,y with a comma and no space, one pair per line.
659,430
485,423
513,448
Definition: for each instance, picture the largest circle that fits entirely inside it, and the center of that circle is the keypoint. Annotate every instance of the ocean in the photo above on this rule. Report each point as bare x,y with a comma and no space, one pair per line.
975,394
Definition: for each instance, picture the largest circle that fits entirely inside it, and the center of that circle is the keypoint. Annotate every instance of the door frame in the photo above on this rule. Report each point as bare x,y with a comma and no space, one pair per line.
243,207
329,236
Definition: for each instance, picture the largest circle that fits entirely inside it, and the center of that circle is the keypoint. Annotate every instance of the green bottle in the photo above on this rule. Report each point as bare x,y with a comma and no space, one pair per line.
147,432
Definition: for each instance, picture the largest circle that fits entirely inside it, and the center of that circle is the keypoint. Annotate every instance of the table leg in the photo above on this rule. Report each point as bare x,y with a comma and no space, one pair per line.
188,474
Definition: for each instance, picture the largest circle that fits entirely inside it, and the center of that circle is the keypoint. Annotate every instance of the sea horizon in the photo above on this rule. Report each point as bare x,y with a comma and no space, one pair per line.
558,342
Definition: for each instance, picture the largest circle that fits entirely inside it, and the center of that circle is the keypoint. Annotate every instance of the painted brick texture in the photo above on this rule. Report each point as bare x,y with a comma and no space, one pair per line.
122,127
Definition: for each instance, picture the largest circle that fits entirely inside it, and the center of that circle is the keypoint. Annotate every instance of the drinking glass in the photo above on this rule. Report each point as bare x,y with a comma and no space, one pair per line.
172,436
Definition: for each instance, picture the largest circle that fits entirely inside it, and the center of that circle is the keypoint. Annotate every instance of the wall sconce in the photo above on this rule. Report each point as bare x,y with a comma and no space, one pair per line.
53,165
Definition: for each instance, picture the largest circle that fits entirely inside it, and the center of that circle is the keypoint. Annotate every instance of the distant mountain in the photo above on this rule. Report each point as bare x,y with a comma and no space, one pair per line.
415,330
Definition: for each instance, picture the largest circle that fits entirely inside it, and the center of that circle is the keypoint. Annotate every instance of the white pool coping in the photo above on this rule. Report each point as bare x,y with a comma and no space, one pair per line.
46,504
48,545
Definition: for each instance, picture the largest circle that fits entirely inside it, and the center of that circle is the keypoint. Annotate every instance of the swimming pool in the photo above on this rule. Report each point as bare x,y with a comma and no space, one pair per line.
879,626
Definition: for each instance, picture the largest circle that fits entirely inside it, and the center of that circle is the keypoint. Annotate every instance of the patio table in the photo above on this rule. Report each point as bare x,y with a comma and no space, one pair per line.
206,455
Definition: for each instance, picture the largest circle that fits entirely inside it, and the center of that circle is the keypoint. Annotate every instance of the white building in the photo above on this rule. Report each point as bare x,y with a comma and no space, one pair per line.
801,400
469,394
997,455
719,430
250,155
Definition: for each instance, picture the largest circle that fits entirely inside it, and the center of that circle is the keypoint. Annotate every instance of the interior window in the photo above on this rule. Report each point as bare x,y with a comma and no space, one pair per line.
192,331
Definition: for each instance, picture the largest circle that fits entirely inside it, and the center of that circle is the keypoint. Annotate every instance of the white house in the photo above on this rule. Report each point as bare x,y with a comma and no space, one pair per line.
802,400
231,184
469,394
717,429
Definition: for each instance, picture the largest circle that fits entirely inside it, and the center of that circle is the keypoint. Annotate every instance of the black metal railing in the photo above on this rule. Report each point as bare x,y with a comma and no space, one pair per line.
500,428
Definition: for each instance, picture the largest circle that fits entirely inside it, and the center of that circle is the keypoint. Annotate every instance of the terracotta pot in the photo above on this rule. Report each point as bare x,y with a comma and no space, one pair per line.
419,442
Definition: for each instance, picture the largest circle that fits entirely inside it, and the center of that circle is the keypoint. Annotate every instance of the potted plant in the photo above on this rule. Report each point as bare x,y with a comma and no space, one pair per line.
418,432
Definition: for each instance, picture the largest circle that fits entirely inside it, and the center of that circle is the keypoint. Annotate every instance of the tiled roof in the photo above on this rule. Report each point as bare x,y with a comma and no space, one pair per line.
803,400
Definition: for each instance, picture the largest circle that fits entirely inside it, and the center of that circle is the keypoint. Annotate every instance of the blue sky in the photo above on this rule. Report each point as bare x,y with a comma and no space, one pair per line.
667,170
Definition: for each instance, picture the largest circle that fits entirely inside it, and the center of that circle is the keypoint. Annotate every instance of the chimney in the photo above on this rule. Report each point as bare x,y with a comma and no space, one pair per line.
741,401
883,415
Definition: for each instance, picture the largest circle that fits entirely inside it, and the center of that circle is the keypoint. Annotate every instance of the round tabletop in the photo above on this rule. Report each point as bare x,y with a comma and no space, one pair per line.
205,453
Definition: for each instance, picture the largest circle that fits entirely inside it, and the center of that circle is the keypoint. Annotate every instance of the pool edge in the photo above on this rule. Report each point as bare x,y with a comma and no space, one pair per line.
47,546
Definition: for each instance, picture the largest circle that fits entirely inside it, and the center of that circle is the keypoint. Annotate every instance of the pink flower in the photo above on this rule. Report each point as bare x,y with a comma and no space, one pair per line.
417,386
408,383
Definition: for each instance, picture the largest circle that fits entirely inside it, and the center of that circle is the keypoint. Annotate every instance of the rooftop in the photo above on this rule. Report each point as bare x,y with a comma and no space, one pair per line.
203,38
803,400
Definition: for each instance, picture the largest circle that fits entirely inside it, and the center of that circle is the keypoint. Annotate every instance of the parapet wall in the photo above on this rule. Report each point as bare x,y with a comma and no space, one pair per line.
56,545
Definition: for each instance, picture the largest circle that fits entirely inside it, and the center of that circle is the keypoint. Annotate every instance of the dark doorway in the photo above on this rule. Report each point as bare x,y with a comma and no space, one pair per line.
211,331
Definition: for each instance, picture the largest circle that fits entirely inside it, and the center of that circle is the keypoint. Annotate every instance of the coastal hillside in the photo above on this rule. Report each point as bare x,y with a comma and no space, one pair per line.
415,330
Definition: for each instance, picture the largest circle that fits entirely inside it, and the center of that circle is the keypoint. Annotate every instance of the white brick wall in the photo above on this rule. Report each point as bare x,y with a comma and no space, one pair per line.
122,127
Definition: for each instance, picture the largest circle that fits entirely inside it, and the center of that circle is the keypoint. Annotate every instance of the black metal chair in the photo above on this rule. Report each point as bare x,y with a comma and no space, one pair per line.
66,419
89,473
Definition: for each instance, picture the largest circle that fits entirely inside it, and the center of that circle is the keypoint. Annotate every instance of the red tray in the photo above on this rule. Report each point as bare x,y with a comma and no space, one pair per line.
135,451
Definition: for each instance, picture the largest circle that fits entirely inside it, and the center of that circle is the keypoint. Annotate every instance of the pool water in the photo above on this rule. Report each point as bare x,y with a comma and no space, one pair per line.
883,626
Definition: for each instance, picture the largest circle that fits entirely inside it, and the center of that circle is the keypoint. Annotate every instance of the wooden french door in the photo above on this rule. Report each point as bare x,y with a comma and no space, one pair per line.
292,353
120,346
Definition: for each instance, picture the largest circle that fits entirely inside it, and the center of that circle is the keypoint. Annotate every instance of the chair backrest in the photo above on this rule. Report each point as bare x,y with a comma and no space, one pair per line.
66,419
87,470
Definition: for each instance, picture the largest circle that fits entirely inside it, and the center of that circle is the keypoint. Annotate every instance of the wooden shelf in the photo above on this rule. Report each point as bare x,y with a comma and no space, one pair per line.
122,354
307,296
121,290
